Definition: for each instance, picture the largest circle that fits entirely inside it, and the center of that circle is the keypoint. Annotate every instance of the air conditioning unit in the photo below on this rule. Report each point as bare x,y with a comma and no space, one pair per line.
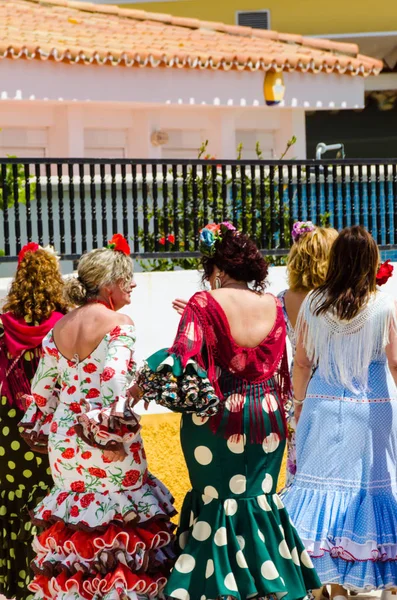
257,19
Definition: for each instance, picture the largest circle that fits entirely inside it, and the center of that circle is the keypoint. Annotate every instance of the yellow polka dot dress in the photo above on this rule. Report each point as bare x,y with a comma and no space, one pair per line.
24,480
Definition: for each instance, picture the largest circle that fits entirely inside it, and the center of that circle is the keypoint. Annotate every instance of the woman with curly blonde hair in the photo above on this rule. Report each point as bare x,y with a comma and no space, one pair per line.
33,305
306,270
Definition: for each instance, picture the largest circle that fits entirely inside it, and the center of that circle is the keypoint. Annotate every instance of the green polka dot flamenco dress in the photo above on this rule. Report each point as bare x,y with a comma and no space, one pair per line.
235,536
25,477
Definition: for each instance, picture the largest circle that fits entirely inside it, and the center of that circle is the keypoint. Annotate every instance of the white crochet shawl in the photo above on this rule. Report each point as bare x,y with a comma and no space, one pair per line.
343,350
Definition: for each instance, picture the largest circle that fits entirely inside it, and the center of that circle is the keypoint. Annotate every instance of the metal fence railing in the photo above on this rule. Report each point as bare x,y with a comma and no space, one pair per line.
160,206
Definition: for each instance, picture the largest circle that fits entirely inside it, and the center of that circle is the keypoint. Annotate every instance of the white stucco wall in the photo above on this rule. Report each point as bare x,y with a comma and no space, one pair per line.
156,321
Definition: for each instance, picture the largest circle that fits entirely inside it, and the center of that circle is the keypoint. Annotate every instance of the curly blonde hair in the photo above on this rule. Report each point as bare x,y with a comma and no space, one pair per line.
307,263
37,288
96,269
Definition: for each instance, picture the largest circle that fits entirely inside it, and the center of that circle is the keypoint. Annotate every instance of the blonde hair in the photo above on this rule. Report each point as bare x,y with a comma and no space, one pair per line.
308,259
36,290
96,269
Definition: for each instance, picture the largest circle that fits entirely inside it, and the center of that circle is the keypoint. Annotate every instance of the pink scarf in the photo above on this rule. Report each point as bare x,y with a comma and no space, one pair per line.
19,337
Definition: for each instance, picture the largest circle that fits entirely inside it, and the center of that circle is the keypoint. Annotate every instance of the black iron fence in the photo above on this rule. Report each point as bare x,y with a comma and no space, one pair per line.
160,206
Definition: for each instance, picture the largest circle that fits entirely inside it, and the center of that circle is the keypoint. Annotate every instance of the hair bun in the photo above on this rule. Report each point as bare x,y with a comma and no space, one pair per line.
75,291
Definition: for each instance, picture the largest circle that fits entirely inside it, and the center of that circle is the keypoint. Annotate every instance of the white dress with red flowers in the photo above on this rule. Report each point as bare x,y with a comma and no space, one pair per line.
107,529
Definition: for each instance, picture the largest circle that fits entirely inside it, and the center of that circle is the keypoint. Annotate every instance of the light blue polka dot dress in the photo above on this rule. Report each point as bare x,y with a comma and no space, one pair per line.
343,499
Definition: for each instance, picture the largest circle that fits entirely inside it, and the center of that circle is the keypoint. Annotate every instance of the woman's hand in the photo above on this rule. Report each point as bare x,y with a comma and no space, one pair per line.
179,305
297,411
117,455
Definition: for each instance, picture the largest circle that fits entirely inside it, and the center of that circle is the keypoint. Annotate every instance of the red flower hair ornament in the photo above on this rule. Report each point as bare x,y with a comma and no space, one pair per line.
384,273
31,247
118,243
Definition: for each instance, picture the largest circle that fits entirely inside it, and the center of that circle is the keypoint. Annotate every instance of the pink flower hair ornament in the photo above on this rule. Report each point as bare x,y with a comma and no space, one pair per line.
301,228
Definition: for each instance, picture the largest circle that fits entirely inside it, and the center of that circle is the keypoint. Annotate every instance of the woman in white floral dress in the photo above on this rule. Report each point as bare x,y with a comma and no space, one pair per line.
107,520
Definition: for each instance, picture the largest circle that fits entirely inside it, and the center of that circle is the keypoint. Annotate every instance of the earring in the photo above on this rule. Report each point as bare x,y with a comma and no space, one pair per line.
218,283
111,303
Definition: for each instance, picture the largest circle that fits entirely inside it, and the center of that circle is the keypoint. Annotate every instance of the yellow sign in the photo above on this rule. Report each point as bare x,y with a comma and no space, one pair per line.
273,88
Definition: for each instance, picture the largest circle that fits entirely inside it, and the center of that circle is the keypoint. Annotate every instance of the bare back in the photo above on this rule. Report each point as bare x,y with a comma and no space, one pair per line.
293,302
251,316
83,329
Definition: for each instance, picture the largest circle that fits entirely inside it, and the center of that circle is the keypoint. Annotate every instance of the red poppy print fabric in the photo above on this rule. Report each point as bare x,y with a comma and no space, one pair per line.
91,492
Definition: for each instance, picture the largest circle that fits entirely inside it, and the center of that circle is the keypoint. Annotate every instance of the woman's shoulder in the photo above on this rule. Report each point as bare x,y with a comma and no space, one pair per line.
122,330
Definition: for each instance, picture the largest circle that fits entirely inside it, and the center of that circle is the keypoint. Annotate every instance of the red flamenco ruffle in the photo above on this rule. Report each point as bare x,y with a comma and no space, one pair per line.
85,545
122,580
128,559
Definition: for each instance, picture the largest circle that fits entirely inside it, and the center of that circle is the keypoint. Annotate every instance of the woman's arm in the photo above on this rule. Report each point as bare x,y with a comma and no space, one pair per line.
301,376
391,348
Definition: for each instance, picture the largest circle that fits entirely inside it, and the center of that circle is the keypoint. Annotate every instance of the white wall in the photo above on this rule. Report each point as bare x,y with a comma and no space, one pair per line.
156,322
23,80
115,130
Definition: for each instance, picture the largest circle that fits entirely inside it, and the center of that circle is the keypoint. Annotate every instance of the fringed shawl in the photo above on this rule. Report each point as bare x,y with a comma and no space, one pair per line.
343,350
259,373
20,353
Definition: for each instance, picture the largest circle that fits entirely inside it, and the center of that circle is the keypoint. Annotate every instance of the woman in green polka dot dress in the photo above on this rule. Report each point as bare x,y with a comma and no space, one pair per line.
227,373
32,307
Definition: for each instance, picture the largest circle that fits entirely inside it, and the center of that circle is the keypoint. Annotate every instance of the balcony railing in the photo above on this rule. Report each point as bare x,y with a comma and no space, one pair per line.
160,206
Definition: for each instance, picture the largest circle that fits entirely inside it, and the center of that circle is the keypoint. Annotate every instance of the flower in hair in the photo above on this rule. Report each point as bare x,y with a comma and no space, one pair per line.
301,228
210,234
31,247
119,244
384,273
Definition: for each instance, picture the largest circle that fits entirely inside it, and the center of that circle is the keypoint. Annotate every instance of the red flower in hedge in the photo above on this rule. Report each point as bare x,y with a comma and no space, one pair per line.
86,455
107,373
95,472
120,244
385,271
89,368
78,486
75,407
68,453
93,393
74,511
131,478
72,390
86,500
62,497
170,239
40,400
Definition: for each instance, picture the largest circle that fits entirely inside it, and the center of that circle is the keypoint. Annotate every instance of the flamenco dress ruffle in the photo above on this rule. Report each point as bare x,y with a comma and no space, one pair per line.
97,543
235,538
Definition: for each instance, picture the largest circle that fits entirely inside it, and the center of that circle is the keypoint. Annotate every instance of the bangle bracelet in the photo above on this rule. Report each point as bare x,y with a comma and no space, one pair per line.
295,401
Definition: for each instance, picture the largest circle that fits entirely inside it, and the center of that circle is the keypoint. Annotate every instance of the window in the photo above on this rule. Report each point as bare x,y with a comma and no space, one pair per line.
183,143
105,143
24,143
257,19
249,138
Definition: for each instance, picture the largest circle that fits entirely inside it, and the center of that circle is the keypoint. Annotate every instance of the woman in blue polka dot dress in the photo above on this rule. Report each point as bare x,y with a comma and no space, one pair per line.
33,305
227,373
343,499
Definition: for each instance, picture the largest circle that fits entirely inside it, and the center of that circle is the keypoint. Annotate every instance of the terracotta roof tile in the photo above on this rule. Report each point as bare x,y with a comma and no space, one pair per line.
85,33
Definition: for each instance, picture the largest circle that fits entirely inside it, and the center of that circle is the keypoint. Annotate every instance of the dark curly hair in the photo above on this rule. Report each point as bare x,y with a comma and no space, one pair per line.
36,290
238,256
